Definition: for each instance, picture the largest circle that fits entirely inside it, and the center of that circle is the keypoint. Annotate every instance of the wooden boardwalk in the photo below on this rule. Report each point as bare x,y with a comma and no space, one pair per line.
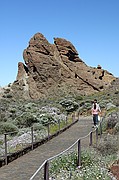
25,166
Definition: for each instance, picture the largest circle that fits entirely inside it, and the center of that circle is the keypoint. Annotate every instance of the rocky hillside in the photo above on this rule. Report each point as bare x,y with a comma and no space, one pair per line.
56,69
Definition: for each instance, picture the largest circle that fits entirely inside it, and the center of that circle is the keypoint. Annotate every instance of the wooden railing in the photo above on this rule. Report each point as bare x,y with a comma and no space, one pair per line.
93,139
8,156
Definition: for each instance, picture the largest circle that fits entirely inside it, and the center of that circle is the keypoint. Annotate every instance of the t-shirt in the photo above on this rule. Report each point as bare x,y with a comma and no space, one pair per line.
97,110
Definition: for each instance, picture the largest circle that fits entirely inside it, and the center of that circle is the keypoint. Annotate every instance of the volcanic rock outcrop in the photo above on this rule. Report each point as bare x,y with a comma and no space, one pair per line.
52,69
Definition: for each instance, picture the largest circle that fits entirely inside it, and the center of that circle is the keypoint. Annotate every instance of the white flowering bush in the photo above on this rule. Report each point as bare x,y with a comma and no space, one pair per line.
65,162
52,113
69,105
20,141
22,125
94,166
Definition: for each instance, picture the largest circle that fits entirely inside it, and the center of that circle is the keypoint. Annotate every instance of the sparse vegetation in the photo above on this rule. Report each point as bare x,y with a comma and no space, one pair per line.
19,115
94,166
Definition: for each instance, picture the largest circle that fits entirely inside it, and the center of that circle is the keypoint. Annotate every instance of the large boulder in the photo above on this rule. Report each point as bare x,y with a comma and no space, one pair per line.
52,69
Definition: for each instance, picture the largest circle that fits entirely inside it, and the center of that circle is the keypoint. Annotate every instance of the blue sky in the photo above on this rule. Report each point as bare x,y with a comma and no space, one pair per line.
92,26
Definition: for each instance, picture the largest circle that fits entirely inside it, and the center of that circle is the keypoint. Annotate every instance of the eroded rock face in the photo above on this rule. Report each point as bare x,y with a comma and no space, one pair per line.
52,68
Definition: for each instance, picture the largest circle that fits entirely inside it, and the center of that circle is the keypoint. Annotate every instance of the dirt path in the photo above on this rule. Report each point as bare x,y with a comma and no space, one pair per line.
24,167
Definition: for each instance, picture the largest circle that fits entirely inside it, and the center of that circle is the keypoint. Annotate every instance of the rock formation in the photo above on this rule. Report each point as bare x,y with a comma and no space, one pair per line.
51,69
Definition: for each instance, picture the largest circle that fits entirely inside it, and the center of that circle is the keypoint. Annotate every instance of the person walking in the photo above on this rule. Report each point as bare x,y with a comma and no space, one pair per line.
95,112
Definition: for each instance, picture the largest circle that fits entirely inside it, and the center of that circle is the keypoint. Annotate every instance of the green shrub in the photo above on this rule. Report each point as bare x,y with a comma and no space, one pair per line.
86,158
7,91
37,126
116,92
111,122
46,118
13,110
79,98
69,105
8,96
25,120
1,141
64,162
104,125
6,127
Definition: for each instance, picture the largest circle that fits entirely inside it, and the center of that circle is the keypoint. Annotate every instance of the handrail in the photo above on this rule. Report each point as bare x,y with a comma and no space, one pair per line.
6,159
38,169
70,146
78,140
53,157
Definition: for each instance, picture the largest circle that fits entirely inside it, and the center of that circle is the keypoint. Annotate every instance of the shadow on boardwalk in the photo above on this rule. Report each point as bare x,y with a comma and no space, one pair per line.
24,167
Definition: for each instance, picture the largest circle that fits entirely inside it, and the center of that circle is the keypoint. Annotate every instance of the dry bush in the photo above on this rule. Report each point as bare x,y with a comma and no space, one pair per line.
108,145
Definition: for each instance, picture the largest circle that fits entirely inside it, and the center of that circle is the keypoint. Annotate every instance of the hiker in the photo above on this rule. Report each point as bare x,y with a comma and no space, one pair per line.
95,112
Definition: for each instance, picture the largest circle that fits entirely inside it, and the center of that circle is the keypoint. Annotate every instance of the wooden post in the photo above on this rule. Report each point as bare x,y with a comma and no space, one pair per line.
90,143
48,131
100,129
78,115
73,117
96,136
46,171
59,124
6,160
66,120
32,136
79,153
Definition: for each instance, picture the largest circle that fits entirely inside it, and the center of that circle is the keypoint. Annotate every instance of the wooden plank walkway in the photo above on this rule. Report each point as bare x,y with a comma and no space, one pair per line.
25,166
